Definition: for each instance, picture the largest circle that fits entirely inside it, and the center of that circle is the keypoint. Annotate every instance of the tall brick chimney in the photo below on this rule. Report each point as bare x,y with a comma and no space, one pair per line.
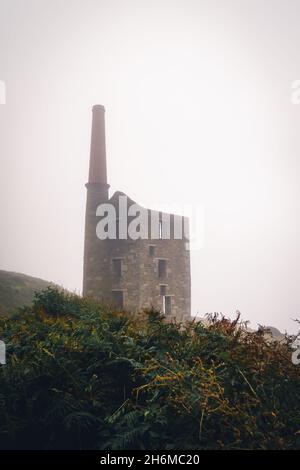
97,193
97,173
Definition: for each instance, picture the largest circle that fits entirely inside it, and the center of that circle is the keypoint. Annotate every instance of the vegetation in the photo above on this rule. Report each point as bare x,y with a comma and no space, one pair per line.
80,376
17,290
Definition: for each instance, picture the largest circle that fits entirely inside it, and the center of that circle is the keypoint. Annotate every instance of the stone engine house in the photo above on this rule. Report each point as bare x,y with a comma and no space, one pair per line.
132,274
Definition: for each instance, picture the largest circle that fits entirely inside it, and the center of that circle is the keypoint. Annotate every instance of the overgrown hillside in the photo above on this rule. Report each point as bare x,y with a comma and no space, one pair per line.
17,290
80,376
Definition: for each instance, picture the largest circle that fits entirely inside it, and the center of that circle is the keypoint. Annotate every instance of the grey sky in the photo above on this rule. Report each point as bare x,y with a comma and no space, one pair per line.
198,109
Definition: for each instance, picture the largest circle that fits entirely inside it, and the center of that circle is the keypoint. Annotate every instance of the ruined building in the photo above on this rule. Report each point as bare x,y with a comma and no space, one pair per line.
132,272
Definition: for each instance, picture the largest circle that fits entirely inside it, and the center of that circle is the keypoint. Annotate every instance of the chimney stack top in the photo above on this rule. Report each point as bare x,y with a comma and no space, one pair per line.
98,107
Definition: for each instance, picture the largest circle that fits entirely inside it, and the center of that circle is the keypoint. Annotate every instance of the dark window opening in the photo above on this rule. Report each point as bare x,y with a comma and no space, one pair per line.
117,267
151,250
162,268
118,298
163,290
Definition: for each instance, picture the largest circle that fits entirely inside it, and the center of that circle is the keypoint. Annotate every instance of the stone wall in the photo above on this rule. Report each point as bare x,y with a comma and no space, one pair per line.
139,280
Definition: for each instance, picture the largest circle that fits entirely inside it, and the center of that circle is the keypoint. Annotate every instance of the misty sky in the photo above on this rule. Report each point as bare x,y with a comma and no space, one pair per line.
198,109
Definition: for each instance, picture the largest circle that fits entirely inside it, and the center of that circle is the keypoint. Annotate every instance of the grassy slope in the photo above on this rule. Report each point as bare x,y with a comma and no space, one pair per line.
17,290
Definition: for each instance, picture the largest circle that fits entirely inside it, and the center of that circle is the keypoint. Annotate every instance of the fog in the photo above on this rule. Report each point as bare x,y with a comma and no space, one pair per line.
198,111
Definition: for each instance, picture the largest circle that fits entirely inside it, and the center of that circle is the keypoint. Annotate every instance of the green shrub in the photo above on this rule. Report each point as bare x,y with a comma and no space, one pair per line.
80,376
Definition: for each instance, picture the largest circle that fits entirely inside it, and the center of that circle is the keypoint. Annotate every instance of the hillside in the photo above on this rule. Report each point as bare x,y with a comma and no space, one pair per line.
81,376
17,290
